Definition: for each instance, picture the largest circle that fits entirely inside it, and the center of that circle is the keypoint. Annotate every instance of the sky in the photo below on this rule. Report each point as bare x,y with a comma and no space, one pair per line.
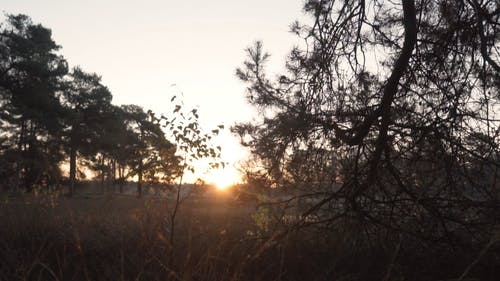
147,51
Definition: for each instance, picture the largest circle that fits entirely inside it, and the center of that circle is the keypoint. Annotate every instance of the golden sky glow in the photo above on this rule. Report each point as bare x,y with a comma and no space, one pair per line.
223,178
147,51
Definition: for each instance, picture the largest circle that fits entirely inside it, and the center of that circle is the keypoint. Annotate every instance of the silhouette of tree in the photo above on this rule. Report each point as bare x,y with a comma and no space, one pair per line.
46,115
402,100
30,76
88,103
192,145
125,142
153,156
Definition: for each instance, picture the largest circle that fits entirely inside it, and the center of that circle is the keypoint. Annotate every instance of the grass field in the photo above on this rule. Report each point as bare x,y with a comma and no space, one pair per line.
120,237
104,237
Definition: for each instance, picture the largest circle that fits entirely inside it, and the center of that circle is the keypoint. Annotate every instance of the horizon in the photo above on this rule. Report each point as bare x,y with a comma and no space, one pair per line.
130,46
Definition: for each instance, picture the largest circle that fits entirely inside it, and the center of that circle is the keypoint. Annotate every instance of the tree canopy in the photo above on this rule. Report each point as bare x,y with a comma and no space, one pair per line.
389,114
50,115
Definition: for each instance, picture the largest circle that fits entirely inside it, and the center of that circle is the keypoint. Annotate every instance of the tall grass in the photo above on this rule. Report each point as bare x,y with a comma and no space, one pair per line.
123,238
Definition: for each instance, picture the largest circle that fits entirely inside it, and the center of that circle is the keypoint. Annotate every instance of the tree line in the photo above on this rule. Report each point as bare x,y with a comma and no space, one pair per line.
51,114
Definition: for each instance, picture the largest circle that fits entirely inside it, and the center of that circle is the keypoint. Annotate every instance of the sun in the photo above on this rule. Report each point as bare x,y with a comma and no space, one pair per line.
224,178
222,184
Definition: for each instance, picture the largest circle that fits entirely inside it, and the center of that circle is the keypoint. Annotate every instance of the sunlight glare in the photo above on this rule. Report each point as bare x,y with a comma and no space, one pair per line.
223,178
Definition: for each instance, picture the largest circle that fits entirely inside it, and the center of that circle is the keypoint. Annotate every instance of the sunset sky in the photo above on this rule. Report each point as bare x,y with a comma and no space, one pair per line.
149,50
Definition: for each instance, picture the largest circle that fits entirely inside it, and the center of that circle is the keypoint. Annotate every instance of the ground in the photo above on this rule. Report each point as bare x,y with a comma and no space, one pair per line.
112,236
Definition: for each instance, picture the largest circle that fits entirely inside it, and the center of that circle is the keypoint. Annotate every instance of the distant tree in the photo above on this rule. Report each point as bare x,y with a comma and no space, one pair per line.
403,97
31,71
47,115
153,156
89,104
122,153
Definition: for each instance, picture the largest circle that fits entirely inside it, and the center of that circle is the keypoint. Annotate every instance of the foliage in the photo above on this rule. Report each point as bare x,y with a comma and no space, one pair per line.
153,156
31,113
192,145
49,116
88,103
388,116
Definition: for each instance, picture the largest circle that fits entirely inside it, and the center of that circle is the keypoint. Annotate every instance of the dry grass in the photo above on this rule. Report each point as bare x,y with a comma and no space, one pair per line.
119,237
95,237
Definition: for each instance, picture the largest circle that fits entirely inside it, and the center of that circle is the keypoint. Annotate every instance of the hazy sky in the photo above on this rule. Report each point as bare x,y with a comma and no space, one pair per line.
143,47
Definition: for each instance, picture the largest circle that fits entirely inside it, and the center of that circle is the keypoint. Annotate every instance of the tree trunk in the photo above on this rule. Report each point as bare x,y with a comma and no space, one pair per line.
19,165
102,174
121,176
139,180
113,172
400,67
72,170
30,173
